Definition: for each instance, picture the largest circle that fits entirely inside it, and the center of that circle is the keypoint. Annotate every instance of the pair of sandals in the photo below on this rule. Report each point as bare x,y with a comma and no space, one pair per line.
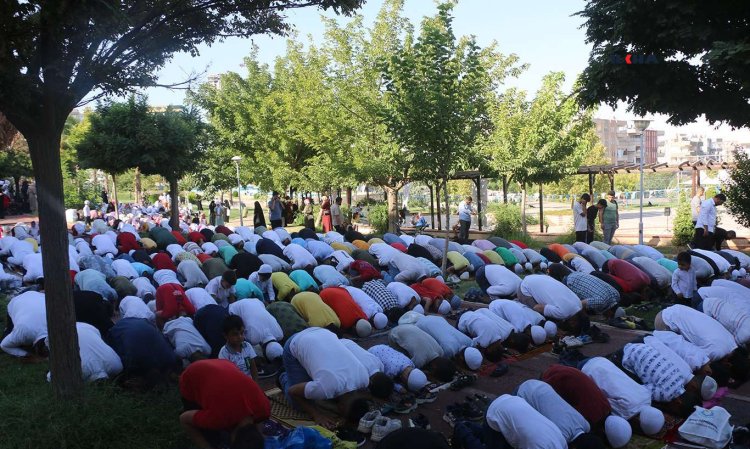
462,381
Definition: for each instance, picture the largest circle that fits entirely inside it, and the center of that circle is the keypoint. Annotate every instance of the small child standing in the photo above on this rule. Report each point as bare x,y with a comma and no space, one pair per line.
684,284
237,350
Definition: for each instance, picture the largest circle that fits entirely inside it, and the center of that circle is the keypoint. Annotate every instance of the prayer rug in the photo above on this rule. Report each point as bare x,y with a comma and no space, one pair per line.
282,411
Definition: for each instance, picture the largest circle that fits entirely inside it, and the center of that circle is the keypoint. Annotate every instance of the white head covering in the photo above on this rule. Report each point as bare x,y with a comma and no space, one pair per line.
550,328
473,358
418,309
518,268
708,388
618,431
543,266
538,335
444,308
265,269
464,276
743,272
379,320
529,267
735,274
363,328
652,420
417,380
274,350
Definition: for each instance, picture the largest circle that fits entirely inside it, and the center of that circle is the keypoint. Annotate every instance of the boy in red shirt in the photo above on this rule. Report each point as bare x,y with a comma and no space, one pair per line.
172,302
219,397
350,314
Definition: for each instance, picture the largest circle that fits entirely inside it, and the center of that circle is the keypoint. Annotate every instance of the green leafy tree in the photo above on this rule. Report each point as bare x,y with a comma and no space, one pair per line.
683,230
53,53
540,140
577,184
699,52
737,189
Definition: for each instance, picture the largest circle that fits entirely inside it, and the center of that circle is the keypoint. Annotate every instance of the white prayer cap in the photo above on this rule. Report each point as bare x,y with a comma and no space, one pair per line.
274,350
418,309
550,328
265,269
538,335
417,380
464,276
708,388
444,308
618,431
518,268
363,328
473,358
735,274
380,320
743,272
543,266
652,420
619,312
528,267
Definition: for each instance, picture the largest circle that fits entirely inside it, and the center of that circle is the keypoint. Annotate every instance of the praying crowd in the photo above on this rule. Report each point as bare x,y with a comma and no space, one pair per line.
225,308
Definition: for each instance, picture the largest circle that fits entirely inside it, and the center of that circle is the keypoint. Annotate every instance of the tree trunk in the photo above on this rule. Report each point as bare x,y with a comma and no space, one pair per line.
174,206
64,359
392,199
523,207
114,192
349,197
444,265
137,184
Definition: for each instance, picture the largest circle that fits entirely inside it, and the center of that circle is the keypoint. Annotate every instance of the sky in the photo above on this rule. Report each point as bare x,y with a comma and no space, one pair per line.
543,33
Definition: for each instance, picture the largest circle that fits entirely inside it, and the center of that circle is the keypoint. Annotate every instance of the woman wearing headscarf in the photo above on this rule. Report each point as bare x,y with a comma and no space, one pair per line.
212,213
258,218
219,212
325,215
307,211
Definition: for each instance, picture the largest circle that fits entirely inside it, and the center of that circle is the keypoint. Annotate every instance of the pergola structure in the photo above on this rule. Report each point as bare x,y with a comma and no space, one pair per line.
476,177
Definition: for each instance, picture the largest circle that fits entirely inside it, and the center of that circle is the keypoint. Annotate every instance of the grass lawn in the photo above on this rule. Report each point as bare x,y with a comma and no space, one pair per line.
107,418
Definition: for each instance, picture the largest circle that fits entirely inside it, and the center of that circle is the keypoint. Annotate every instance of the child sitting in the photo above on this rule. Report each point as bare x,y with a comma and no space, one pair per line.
237,350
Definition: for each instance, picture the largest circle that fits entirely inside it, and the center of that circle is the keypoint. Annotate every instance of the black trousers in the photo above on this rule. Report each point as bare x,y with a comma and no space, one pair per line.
463,233
703,240
581,236
276,223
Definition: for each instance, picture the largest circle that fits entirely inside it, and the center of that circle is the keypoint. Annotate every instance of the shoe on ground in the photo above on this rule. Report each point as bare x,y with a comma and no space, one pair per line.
383,426
572,342
426,396
266,371
452,415
406,405
585,339
367,421
420,421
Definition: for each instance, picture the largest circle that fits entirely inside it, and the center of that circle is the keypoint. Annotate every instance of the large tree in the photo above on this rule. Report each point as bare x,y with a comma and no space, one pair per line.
53,53
540,140
688,58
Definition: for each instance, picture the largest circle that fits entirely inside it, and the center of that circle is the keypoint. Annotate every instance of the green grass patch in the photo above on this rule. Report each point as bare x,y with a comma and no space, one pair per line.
107,418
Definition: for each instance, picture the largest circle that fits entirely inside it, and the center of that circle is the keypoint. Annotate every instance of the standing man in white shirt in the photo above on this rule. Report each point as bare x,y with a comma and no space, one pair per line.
695,204
465,211
706,223
337,218
579,217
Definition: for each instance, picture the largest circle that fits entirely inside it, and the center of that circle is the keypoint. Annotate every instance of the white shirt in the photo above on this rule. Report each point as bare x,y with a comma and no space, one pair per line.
650,266
242,359
504,283
700,329
220,294
384,253
174,249
134,307
334,371
103,245
162,277
29,314
200,298
342,259
336,218
579,220
265,286
660,375
245,232
277,263
363,300
209,248
185,338
702,268
450,339
707,215
299,256
738,288
392,361
409,264
547,402
143,286
695,206
721,263
522,426
333,236
694,356
123,268
7,242
319,250
98,360
260,326
194,276
742,257
403,292
559,301
273,237
625,395
669,354
83,248
367,359
32,263
484,329
283,234
517,314
733,314
19,250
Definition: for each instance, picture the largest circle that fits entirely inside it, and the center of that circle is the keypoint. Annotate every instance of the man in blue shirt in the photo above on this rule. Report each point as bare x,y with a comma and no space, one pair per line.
275,210
465,211
146,354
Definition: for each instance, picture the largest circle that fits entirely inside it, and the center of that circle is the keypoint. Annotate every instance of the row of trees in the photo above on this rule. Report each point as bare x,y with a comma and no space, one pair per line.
384,105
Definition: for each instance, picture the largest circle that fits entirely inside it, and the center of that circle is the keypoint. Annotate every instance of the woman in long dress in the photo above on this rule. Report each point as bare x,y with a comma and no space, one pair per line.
325,214
258,218
307,211
219,214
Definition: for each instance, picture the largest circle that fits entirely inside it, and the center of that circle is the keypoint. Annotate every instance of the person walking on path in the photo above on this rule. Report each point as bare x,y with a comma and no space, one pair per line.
579,218
695,204
705,226
465,211
609,217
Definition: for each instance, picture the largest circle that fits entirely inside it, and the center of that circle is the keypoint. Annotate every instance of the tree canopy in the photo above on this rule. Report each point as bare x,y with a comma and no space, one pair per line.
691,58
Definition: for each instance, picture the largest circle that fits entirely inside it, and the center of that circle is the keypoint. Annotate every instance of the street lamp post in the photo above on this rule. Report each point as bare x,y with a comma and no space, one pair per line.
640,126
236,161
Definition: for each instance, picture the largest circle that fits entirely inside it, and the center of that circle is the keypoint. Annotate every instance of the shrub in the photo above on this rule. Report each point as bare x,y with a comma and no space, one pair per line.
683,230
378,218
508,219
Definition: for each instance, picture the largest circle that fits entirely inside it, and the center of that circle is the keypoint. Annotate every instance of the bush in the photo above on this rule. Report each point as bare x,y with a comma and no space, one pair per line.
508,219
378,218
151,198
683,224
193,197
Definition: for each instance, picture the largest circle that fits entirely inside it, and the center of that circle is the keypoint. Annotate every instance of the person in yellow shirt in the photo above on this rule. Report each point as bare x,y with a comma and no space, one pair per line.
315,311
285,287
